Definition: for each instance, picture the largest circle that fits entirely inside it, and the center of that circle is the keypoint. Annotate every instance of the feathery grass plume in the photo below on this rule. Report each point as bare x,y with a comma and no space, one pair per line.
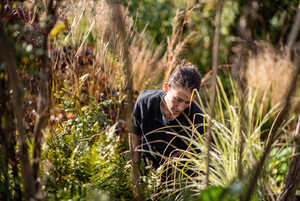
226,134
269,72
108,65
175,42
147,63
86,59
90,20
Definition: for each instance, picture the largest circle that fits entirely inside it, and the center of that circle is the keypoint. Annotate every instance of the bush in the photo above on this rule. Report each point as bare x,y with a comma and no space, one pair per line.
82,154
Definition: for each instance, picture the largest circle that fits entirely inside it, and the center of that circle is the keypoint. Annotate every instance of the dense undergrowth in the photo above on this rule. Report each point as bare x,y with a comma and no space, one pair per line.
82,155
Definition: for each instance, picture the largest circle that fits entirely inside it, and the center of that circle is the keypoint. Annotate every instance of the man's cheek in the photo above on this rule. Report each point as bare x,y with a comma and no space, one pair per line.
172,104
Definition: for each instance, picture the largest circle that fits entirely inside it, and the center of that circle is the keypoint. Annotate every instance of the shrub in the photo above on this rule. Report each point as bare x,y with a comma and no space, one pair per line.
82,154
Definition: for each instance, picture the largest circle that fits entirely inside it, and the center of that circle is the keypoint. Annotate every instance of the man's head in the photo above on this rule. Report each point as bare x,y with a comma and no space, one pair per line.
183,80
187,77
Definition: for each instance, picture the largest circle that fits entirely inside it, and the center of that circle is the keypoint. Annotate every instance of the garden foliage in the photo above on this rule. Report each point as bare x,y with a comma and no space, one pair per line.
83,157
84,153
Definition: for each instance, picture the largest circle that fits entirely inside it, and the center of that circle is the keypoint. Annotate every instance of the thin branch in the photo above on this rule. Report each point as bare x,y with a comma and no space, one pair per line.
294,32
214,82
292,179
43,98
119,25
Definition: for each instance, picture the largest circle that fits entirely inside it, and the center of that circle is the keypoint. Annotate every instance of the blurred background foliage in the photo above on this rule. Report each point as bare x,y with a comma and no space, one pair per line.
271,22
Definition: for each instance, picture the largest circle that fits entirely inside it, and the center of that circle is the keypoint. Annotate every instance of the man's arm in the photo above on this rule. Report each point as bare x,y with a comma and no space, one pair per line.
134,142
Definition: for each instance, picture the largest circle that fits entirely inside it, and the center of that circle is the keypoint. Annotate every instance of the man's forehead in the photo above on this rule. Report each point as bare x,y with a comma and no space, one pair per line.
182,93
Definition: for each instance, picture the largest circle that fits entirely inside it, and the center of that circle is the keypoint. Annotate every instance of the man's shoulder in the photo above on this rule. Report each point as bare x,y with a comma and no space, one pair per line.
195,108
149,96
196,113
148,103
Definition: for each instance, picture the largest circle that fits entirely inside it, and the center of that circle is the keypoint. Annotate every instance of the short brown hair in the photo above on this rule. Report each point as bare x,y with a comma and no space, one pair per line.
185,76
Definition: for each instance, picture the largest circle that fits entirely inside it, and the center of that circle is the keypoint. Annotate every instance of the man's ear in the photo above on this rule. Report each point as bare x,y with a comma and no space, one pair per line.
166,87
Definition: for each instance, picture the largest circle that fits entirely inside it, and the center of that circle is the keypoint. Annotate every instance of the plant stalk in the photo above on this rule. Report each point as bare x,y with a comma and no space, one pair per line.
214,83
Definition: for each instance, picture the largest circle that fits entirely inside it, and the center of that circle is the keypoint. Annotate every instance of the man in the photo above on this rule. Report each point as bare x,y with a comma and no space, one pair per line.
162,119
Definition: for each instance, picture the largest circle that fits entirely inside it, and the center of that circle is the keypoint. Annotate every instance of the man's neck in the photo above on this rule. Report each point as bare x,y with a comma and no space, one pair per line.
165,110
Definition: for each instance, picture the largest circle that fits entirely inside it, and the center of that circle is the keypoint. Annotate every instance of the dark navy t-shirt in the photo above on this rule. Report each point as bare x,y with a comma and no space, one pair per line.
161,137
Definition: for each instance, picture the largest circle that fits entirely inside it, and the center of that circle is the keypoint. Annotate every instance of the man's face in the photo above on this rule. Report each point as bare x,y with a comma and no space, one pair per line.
177,99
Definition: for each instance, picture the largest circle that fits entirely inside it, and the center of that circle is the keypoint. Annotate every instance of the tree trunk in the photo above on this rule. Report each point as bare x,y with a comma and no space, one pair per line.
7,57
